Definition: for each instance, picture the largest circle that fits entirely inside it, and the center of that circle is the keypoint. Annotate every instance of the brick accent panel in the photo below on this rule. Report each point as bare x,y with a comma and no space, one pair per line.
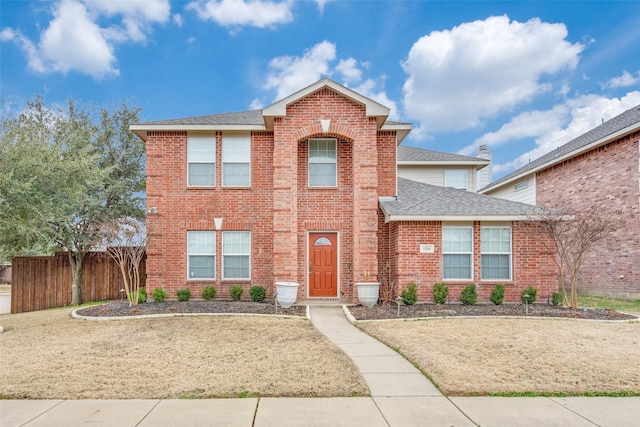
607,177
532,264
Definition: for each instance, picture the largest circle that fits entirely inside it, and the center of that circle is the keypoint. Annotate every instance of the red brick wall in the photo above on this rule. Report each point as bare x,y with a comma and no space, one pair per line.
606,177
279,209
531,262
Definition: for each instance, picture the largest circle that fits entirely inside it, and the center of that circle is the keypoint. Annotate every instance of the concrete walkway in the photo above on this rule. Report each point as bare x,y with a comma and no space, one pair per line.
400,396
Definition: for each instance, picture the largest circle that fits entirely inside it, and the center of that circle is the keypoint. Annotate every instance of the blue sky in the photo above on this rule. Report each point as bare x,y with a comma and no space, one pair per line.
521,77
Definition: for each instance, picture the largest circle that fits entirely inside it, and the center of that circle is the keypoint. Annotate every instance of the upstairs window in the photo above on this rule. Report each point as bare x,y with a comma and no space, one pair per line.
201,254
456,178
201,161
236,161
457,252
322,163
496,253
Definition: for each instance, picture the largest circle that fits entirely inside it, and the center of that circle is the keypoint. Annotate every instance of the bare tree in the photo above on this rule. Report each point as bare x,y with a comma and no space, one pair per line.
572,233
126,245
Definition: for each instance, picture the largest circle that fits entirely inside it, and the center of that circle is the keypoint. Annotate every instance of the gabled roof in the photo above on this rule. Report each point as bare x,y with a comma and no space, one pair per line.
263,119
421,156
617,127
423,202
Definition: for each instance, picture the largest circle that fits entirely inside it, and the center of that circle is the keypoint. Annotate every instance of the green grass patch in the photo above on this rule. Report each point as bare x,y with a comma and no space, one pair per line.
617,304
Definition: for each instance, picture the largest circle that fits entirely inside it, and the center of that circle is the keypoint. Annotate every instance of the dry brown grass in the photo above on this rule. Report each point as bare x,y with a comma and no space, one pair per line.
49,355
482,356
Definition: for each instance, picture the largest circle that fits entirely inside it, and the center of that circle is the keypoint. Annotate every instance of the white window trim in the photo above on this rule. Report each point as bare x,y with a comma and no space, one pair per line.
228,137
237,254
213,254
471,254
190,138
324,163
498,253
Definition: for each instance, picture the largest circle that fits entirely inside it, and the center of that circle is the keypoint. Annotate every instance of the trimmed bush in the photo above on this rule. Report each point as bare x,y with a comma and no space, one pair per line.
410,295
142,295
556,298
497,295
236,292
184,294
257,293
469,295
440,293
531,291
208,293
159,295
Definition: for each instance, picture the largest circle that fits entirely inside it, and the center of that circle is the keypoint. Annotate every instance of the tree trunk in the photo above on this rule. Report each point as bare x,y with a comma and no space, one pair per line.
76,260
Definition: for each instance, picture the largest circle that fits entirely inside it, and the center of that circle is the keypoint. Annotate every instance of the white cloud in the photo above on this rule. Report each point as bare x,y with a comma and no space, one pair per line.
572,119
74,41
321,4
625,80
289,74
349,70
458,77
235,13
178,20
530,124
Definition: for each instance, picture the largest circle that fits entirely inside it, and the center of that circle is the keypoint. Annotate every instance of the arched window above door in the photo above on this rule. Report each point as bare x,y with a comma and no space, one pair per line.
322,241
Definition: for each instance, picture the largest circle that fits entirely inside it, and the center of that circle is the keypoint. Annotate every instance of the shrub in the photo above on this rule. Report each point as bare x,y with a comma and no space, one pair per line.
236,292
440,292
497,295
257,293
410,295
184,294
208,293
159,295
469,295
556,298
142,295
531,291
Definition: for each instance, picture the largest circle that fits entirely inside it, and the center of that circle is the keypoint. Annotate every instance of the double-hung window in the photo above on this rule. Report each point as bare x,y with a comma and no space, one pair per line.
495,245
323,162
456,178
236,161
201,254
201,161
457,253
236,255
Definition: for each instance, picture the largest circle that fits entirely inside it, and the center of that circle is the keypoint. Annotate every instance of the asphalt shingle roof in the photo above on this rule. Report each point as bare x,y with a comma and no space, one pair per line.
252,117
624,120
418,199
414,154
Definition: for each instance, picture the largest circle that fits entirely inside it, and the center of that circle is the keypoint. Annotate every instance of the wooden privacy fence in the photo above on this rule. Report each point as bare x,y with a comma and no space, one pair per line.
43,282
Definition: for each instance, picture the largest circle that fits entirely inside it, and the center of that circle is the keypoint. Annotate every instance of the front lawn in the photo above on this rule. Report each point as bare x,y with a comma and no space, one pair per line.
619,304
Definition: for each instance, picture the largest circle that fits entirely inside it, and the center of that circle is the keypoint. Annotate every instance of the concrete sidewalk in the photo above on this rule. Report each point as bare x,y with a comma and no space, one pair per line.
343,411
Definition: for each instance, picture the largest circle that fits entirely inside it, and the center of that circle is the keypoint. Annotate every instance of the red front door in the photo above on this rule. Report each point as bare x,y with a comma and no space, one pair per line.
323,265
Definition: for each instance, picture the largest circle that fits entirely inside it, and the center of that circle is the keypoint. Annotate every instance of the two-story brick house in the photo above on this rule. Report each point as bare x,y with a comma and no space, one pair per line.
306,190
600,168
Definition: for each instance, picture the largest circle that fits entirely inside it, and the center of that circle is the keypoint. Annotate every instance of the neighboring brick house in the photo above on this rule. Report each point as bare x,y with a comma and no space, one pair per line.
600,168
305,190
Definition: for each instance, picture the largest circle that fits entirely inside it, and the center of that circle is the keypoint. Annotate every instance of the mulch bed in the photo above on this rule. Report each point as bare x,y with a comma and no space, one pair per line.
380,311
120,309
390,311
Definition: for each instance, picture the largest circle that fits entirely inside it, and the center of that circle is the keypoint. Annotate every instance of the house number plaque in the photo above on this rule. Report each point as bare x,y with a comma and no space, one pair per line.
427,248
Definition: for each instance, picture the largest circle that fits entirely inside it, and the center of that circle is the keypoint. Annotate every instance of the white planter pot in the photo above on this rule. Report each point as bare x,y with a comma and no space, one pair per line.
368,293
286,293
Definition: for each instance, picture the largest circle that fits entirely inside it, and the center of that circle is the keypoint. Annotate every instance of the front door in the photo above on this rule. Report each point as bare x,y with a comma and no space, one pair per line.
323,265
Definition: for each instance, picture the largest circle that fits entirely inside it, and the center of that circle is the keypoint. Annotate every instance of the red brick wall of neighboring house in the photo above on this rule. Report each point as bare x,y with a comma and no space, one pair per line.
607,177
532,264
279,209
